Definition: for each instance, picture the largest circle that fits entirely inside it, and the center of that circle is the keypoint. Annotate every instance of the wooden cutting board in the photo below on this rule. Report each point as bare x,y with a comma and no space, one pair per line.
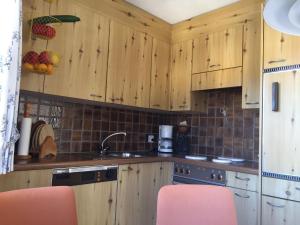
45,131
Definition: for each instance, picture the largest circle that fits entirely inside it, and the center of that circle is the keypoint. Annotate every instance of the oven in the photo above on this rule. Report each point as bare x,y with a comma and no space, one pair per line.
185,173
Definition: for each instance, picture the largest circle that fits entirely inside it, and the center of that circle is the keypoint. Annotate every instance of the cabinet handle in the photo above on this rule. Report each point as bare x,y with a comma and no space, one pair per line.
243,179
252,103
276,206
181,106
98,96
241,196
277,61
275,96
156,105
297,188
215,65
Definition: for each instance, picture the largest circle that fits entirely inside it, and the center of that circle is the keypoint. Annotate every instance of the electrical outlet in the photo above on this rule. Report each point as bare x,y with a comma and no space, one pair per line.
150,138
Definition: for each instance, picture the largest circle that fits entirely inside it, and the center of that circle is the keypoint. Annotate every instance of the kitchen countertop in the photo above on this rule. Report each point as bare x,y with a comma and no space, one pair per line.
89,159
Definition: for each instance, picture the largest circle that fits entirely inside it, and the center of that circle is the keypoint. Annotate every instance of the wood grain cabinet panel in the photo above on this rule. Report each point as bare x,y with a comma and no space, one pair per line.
25,179
215,50
181,68
96,203
252,64
160,79
129,66
280,49
217,79
232,55
242,181
200,54
281,142
283,189
137,192
83,47
246,203
279,211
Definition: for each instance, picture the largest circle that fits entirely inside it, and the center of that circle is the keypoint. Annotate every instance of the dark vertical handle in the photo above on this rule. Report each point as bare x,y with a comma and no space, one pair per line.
275,96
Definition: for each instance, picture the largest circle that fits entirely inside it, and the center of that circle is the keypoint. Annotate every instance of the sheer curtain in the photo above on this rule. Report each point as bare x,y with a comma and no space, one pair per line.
10,71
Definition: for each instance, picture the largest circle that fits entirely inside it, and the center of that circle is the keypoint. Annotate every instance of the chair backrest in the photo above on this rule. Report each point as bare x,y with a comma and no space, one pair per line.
195,205
38,206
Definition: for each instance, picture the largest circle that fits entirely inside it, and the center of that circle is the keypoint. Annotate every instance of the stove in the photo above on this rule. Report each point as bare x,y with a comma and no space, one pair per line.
185,173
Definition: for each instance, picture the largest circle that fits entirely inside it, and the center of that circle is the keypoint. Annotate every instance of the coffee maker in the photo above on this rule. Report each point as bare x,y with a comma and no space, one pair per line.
182,140
165,139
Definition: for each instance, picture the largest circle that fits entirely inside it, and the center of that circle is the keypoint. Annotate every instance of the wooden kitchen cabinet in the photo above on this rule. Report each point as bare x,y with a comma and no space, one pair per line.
96,203
25,179
217,79
160,78
83,47
129,66
218,50
246,203
181,67
137,191
200,54
280,141
280,49
252,64
277,211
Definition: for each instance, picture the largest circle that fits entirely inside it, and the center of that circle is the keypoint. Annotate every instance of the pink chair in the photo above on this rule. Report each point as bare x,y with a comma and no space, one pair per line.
38,206
195,205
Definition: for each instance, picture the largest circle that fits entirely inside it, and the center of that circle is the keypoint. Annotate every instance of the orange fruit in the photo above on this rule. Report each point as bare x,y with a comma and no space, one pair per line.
42,68
50,69
28,67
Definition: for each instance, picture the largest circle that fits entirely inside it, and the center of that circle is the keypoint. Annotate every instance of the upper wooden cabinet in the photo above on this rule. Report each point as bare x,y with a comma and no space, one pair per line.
252,64
181,67
217,79
129,66
159,91
83,47
280,49
218,50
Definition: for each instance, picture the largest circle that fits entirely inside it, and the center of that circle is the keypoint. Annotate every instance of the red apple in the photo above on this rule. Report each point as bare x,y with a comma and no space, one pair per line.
31,58
44,58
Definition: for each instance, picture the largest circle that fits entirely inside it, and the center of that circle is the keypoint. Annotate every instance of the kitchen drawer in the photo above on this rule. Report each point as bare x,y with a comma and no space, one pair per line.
246,203
241,180
284,188
279,211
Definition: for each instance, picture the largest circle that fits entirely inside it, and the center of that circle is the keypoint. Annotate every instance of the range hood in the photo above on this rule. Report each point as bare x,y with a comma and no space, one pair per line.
283,15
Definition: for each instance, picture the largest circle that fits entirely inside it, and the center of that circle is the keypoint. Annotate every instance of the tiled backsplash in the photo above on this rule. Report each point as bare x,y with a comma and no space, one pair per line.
225,129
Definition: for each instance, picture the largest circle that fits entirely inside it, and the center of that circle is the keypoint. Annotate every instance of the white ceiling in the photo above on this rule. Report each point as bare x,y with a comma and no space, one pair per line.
174,11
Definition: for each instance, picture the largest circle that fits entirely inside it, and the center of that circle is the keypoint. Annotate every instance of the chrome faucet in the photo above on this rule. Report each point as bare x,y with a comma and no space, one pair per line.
104,150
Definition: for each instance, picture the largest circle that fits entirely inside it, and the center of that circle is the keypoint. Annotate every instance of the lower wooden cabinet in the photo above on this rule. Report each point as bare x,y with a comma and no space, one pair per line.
138,186
96,203
25,179
277,211
246,203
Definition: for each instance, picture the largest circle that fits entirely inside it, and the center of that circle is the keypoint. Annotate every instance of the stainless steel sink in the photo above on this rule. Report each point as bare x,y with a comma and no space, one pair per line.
124,155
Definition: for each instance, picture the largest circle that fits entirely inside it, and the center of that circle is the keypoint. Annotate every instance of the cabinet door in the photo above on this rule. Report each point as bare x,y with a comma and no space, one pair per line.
200,54
32,81
137,192
231,77
129,66
215,51
252,58
96,203
280,49
246,203
25,179
181,65
232,55
281,142
83,48
159,96
279,211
